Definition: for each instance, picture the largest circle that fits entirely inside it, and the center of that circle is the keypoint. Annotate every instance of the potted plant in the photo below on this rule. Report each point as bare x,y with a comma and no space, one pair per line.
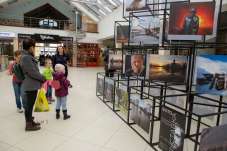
11,59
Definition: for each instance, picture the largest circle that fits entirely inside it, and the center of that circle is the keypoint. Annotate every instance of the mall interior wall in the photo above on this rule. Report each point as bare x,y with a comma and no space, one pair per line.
106,24
90,37
30,5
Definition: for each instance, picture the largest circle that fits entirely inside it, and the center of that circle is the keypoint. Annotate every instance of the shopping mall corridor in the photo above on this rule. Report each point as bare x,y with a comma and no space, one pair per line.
92,126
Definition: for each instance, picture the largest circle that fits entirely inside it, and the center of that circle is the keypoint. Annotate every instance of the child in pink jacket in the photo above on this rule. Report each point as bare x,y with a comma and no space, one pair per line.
61,94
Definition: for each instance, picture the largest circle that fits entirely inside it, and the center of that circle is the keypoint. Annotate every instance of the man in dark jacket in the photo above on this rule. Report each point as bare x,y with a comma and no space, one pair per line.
109,73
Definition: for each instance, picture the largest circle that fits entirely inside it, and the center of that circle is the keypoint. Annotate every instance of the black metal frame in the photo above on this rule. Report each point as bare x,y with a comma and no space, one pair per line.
160,101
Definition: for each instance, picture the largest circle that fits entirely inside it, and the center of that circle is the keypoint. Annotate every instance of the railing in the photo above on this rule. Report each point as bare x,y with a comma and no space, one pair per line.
89,27
22,21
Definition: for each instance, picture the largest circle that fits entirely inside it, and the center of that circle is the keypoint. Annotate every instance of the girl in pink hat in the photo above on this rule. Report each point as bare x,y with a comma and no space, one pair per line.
62,92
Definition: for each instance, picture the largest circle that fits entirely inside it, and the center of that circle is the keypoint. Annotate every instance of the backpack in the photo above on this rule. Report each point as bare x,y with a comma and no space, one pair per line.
18,72
56,84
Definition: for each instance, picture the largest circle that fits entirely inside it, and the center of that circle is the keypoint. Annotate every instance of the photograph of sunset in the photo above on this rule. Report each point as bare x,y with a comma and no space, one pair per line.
169,68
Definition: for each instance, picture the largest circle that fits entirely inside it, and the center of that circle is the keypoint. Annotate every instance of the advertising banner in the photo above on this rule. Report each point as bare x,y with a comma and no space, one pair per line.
172,130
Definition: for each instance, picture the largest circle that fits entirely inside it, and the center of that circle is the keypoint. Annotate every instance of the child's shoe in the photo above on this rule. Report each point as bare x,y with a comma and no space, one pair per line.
50,99
65,114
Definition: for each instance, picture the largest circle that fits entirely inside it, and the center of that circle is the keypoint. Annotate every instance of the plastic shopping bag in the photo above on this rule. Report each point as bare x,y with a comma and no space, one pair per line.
41,102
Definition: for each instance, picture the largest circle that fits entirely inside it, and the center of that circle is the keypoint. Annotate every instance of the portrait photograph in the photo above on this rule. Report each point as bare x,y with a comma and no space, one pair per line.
134,65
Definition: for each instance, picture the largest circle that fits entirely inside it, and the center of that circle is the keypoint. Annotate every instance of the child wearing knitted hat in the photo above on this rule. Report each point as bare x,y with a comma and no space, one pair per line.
62,92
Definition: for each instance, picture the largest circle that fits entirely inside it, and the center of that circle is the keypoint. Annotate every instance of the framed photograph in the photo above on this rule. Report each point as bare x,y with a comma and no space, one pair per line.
211,74
191,18
146,30
213,138
134,65
140,113
169,68
121,100
115,62
100,86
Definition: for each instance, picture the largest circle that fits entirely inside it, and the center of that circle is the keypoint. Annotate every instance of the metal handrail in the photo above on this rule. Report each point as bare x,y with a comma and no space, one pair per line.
11,20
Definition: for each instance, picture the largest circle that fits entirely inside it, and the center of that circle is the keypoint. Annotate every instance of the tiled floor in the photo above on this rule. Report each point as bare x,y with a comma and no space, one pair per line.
92,126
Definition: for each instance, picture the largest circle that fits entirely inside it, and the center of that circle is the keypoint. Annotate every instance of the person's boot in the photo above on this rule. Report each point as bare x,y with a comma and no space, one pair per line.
57,113
30,127
51,99
34,123
65,114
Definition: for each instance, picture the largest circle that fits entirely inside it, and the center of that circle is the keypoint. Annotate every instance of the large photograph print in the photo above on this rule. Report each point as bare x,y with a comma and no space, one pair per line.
134,65
140,113
212,74
135,5
121,100
122,34
172,130
146,30
115,62
100,86
214,138
191,18
109,91
169,68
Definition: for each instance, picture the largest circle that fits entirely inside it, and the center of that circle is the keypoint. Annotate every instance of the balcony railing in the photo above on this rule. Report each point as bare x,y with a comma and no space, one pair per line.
22,21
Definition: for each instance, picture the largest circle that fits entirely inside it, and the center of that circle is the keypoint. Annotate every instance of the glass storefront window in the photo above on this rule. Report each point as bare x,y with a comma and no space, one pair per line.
6,47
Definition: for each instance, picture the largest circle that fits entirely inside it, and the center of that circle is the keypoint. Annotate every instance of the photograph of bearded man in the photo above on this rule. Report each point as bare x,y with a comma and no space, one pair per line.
137,66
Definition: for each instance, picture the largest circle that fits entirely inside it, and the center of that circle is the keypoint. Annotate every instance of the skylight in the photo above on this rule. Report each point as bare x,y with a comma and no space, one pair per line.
12,1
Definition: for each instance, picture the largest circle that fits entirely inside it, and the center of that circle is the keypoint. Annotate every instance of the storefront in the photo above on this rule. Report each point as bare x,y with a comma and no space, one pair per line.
47,44
6,43
87,53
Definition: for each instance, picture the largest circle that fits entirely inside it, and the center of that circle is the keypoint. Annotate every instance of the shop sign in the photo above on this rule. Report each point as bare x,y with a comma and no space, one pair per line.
7,35
45,37
24,36
89,21
65,38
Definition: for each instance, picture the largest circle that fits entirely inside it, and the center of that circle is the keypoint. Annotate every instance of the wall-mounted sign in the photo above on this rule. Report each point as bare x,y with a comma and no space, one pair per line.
65,38
45,37
7,35
89,21
24,36
172,130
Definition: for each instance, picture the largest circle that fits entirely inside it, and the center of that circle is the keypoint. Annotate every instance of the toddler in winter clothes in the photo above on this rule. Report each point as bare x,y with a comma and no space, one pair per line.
61,94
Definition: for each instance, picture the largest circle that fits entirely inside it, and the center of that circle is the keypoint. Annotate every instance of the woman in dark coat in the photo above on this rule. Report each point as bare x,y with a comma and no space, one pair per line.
32,81
61,57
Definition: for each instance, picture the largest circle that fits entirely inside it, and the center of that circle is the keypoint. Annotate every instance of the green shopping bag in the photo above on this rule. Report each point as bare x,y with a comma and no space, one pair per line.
41,102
